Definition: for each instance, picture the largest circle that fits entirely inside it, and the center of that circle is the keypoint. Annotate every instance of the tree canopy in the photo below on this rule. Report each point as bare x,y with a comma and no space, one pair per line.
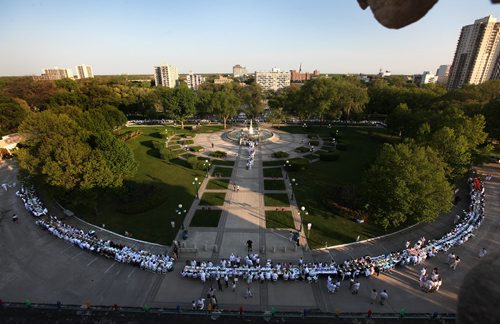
407,183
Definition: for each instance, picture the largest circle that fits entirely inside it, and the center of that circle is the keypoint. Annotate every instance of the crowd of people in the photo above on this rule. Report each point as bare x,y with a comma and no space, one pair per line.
31,202
251,267
158,263
251,154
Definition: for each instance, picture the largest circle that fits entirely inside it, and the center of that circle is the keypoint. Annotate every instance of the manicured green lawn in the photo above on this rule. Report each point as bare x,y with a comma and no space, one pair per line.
279,219
213,199
273,163
276,200
206,218
223,162
146,204
222,172
317,181
273,173
274,185
218,184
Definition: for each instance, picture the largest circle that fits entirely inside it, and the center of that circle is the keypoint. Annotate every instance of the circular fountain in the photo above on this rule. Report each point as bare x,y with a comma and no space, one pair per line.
248,134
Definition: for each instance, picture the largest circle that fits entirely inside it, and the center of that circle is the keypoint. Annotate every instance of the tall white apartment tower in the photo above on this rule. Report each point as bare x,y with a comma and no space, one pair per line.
477,51
84,71
443,73
166,75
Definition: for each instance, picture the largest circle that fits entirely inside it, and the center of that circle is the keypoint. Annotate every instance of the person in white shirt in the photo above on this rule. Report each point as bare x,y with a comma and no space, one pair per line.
482,252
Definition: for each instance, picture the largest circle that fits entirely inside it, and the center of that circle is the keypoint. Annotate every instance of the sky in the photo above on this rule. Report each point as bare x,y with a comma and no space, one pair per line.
210,36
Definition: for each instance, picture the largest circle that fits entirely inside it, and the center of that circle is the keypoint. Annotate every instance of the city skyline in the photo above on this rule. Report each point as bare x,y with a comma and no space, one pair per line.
123,37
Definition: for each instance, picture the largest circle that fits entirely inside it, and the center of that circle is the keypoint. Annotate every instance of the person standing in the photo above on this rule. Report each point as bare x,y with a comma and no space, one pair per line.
219,284
384,296
482,252
454,264
248,293
233,286
15,219
249,246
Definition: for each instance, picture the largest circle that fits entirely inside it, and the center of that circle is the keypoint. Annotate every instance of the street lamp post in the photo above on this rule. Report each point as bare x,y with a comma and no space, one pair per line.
197,184
293,183
303,212
309,226
172,223
287,166
179,211
206,165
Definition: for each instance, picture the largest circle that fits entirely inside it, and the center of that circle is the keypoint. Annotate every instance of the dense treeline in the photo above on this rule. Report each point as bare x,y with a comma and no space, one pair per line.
72,145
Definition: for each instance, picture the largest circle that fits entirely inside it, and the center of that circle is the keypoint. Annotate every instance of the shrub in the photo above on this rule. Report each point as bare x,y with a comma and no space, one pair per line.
195,163
168,155
196,148
312,136
129,135
314,143
219,154
302,149
298,164
328,156
280,154
185,142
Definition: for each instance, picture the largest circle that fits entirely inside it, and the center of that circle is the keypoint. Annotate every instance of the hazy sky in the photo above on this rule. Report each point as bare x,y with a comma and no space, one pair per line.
125,36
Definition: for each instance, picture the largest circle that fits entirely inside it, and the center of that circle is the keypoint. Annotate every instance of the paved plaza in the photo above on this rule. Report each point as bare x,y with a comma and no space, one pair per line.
41,268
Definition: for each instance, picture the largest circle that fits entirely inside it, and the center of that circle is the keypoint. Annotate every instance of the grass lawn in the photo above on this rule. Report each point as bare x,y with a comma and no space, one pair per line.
146,204
311,156
279,219
273,173
222,172
273,163
218,184
223,162
206,218
328,227
274,185
276,200
213,199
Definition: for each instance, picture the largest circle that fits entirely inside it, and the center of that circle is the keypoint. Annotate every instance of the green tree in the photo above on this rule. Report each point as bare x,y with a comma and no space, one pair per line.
454,150
407,183
224,104
252,100
492,116
70,157
182,104
12,113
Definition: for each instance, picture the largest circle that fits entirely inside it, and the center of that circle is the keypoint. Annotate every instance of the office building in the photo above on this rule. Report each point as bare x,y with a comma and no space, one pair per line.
424,78
193,81
273,80
239,71
476,53
442,74
84,71
54,74
166,75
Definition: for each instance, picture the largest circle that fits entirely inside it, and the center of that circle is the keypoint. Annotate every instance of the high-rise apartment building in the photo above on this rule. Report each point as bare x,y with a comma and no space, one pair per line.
239,71
273,80
84,71
54,74
193,81
476,54
166,75
443,73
